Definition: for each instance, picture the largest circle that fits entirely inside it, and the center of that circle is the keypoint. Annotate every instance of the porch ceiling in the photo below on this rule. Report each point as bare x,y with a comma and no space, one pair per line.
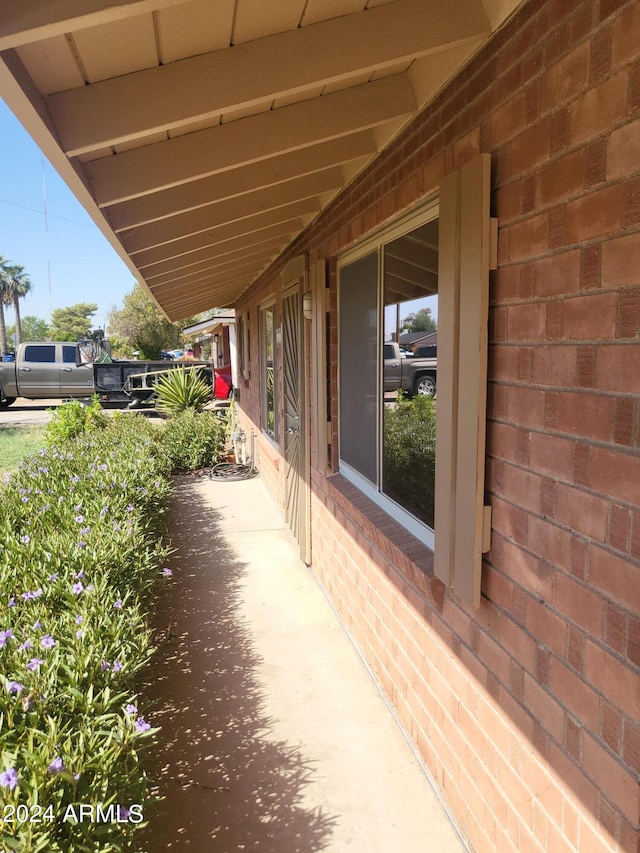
203,137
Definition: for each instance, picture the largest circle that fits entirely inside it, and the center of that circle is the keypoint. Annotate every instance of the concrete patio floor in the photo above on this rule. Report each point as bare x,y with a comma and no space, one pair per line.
274,736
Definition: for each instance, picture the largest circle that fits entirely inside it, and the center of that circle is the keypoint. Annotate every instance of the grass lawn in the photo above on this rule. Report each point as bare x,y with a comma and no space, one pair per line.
16,442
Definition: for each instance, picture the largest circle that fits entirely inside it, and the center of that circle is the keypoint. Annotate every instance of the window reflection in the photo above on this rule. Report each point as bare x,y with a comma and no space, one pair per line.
410,306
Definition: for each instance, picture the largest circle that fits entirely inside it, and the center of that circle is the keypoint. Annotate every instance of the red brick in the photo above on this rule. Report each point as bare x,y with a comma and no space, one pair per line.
633,641
612,779
508,120
584,513
575,649
551,455
579,603
529,238
525,407
548,541
624,421
599,108
558,275
631,749
621,261
615,680
595,215
575,694
616,474
526,322
623,151
629,314
561,179
567,79
611,727
615,577
543,623
590,317
615,632
626,35
590,267
555,365
619,527
573,737
586,415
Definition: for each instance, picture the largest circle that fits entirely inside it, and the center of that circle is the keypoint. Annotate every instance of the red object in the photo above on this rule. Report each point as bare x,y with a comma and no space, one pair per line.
224,385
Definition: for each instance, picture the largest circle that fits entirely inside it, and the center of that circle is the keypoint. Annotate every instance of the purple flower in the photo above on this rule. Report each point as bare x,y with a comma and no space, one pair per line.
12,602
4,636
25,539
81,544
105,665
53,577
90,588
26,645
142,725
79,518
118,604
76,777
80,574
14,687
79,634
167,573
47,642
77,588
34,663
56,765
9,778
104,510
79,619
84,531
117,666
37,624
123,813
131,709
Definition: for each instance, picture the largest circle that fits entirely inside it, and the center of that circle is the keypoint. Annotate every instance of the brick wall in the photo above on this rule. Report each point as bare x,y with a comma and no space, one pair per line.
526,711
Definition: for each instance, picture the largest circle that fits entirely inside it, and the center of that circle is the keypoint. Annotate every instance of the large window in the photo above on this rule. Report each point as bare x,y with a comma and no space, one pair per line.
419,454
268,354
387,404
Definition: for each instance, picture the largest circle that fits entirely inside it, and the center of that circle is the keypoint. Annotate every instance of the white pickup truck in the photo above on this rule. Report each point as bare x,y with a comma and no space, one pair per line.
43,370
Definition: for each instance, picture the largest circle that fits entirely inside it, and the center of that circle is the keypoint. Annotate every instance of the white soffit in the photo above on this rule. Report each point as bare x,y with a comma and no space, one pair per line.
203,137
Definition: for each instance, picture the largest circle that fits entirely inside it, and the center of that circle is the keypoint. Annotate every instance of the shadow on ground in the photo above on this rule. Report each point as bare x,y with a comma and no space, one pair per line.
226,784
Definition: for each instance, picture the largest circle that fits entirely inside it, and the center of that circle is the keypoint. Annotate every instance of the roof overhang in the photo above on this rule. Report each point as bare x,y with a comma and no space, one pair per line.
203,137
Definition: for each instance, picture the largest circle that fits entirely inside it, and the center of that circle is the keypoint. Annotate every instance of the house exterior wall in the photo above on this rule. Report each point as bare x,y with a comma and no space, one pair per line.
526,711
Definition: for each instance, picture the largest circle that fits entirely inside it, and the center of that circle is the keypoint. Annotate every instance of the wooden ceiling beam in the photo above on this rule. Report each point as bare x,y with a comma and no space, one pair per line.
257,259
244,179
26,22
246,75
230,210
182,251
268,249
196,155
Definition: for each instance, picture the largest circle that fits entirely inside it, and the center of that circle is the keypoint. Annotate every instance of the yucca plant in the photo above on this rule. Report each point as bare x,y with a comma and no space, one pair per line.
180,389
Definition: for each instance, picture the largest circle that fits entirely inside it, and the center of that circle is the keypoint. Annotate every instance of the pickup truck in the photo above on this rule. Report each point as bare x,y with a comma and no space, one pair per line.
60,369
408,373
42,370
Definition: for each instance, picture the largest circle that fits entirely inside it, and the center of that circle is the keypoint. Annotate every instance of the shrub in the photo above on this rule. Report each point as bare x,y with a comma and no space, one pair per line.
73,418
410,455
79,558
180,389
194,440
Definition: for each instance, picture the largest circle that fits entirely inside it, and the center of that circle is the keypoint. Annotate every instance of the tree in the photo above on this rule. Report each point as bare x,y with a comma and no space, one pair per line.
18,284
33,329
69,324
421,321
3,302
142,326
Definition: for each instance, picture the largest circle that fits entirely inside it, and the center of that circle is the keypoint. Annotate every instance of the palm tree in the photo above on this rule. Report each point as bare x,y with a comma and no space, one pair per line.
3,299
18,285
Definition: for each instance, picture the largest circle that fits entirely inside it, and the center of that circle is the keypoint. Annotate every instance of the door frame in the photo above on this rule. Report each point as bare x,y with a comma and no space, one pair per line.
293,280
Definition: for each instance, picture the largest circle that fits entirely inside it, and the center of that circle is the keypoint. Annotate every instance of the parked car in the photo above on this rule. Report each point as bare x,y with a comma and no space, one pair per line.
411,374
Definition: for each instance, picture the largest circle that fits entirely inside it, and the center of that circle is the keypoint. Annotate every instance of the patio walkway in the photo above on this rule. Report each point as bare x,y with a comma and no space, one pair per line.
274,736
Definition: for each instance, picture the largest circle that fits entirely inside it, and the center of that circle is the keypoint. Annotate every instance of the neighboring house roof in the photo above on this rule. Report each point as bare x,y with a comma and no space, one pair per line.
205,326
415,338
200,187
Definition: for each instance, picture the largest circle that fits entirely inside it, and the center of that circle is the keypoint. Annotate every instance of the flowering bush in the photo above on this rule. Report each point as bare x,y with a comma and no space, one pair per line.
79,556
74,418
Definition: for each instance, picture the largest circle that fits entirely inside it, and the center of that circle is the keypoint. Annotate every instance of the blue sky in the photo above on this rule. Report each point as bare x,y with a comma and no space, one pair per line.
72,262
